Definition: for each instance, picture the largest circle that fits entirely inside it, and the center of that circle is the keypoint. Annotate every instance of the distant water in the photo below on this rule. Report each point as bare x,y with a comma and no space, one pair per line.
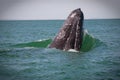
34,63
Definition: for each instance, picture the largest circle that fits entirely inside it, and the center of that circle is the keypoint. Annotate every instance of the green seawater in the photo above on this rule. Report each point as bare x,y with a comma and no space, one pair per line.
24,55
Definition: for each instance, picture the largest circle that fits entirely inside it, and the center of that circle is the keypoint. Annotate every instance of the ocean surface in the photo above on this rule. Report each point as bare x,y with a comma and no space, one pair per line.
32,62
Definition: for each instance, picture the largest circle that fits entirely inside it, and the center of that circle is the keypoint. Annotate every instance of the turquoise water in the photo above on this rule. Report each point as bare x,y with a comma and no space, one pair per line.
31,62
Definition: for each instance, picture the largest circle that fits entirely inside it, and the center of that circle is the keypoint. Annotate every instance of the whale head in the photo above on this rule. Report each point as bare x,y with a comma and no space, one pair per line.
71,33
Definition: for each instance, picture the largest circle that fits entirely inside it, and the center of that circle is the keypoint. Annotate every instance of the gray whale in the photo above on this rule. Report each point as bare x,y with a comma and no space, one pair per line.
71,34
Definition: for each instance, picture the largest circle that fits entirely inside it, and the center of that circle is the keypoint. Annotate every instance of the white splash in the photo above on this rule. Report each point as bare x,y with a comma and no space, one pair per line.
72,50
41,40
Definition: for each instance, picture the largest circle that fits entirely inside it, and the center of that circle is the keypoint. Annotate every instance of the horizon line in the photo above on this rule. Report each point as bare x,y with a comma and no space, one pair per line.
52,19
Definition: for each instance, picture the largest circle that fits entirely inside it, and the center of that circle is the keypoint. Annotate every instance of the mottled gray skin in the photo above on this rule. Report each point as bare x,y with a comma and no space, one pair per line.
71,34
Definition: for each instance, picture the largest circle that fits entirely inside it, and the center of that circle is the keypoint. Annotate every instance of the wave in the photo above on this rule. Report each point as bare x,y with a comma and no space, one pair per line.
89,42
39,44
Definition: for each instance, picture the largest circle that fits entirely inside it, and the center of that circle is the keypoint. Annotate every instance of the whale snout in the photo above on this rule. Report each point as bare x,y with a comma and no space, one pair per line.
76,14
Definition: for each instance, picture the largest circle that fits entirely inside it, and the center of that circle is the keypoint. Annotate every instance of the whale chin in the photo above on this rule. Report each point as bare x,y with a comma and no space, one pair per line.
71,34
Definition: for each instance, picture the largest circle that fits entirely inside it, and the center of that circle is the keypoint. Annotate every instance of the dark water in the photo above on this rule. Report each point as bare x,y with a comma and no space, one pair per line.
34,63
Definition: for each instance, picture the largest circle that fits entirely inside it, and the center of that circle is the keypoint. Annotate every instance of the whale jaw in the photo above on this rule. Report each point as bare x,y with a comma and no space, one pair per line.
71,34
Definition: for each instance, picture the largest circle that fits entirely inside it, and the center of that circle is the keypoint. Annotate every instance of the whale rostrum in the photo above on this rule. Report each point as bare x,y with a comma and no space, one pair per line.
71,34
